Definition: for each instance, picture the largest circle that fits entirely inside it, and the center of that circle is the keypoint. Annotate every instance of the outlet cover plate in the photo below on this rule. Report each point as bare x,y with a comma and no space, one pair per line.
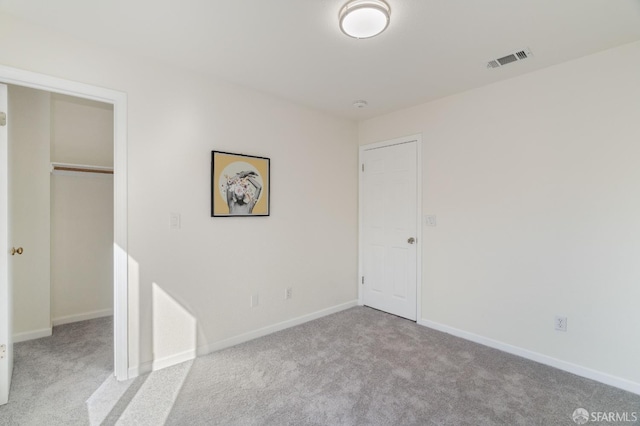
174,220
561,323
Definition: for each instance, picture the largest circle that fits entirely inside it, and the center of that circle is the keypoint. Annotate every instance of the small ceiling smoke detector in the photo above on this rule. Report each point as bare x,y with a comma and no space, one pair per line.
364,18
514,57
360,104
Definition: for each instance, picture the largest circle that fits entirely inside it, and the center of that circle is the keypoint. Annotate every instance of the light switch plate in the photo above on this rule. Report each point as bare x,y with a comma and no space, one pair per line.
430,220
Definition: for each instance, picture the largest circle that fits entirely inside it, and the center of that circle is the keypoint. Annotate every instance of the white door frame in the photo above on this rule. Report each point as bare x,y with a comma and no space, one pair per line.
6,320
418,218
47,83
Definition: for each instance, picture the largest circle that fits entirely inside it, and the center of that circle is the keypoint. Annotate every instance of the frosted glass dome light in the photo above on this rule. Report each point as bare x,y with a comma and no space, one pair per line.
364,18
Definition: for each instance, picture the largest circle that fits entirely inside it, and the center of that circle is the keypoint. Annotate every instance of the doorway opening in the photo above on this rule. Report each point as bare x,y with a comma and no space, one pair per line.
118,101
61,210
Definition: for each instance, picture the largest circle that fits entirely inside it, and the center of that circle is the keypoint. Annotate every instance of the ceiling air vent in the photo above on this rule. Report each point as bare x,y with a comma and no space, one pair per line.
517,56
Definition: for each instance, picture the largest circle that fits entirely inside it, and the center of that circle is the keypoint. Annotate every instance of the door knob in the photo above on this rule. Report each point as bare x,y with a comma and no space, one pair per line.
411,240
18,250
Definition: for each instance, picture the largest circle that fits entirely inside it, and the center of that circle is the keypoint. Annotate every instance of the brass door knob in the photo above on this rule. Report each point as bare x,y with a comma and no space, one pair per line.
18,250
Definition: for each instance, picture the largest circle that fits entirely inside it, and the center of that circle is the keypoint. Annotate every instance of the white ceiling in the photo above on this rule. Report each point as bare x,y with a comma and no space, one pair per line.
295,50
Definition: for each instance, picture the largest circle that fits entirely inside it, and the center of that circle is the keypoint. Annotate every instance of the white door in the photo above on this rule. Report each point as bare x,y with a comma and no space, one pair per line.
389,228
30,211
6,326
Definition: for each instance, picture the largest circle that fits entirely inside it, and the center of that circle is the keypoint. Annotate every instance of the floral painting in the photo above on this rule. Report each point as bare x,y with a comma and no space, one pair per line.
239,185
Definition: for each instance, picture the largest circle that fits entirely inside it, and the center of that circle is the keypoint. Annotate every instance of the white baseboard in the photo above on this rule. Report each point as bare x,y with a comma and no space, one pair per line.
173,360
236,340
68,319
147,367
144,368
30,335
158,364
576,369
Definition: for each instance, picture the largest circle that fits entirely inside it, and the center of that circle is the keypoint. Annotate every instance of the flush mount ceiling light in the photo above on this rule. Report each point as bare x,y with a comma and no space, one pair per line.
364,18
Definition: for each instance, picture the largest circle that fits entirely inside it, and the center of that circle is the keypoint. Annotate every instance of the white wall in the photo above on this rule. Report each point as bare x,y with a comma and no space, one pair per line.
211,266
81,247
81,211
81,131
535,184
28,126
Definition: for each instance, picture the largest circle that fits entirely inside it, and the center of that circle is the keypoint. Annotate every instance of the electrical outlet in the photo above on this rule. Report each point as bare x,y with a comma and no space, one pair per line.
288,293
254,300
174,220
561,323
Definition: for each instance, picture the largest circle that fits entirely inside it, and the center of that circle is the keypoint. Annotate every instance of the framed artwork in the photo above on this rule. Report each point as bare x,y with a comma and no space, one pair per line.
239,185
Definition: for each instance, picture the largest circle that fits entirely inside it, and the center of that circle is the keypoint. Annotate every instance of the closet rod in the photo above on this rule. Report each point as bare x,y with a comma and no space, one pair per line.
80,168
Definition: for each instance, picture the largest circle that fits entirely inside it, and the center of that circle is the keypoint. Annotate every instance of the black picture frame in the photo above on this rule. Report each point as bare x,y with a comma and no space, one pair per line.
240,185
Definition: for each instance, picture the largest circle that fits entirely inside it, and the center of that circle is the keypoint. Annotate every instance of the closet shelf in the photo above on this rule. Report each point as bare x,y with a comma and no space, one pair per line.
72,169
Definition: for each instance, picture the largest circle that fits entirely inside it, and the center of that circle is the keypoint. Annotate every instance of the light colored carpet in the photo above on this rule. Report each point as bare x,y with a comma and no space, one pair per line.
365,367
54,376
357,367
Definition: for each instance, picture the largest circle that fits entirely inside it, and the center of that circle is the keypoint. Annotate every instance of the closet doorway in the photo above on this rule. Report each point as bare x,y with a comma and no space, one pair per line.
53,85
61,210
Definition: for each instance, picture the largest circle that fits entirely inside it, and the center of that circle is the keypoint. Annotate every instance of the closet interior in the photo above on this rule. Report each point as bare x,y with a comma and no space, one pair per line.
61,206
